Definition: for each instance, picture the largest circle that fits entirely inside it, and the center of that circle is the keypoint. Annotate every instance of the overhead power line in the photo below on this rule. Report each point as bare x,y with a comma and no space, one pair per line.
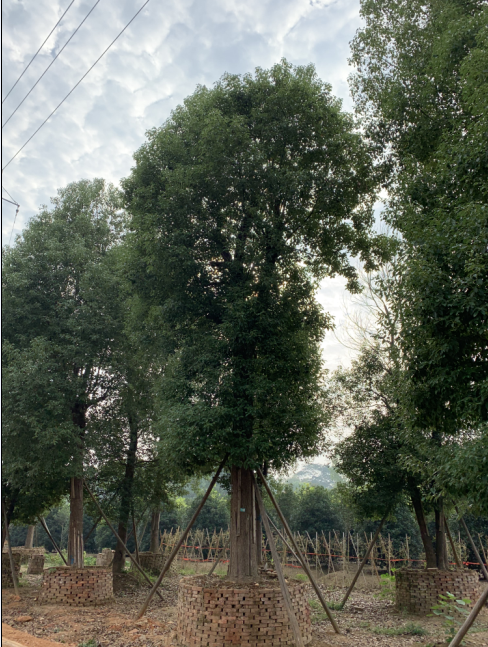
77,84
32,59
8,195
47,68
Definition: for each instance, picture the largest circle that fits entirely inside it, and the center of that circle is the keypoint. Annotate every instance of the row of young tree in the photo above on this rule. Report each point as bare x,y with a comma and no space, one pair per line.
152,332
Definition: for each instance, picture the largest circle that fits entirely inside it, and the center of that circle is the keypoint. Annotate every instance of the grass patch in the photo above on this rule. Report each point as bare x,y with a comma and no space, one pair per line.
301,577
410,629
335,606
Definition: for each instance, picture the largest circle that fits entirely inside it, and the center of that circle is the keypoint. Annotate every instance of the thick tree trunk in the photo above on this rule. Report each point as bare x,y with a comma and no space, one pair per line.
155,518
243,536
29,540
440,538
126,497
9,510
430,555
75,536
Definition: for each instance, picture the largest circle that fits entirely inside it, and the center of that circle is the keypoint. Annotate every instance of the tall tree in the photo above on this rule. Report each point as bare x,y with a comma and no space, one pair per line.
421,87
62,319
241,202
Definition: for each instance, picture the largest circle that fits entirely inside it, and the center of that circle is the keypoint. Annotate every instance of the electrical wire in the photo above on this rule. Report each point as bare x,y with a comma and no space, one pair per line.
77,84
32,59
47,68
9,195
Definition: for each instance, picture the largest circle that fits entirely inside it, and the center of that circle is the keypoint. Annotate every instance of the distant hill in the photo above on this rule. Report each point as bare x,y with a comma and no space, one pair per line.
316,474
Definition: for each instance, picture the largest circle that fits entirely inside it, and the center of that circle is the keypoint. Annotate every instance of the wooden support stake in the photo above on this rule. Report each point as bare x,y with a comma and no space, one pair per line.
92,529
298,553
43,523
118,537
175,550
473,546
10,556
276,559
454,551
222,554
364,560
135,538
463,630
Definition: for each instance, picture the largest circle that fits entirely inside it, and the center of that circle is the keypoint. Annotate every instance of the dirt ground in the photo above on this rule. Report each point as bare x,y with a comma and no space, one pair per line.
367,620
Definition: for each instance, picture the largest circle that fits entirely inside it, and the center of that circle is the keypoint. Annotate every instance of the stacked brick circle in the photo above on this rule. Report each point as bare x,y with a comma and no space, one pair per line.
225,613
7,581
77,586
417,591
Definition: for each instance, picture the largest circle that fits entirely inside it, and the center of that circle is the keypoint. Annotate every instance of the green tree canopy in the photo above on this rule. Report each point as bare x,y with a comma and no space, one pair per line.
61,327
248,195
421,86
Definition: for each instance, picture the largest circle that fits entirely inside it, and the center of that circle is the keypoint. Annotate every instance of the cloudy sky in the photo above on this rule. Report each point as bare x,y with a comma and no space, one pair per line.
170,48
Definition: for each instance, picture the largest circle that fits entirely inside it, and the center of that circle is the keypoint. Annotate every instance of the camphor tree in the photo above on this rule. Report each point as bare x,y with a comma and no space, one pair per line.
61,323
248,195
421,87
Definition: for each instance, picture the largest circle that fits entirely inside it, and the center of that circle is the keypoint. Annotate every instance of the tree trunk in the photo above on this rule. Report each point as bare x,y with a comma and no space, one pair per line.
243,536
75,536
440,538
9,510
29,540
126,497
430,555
155,518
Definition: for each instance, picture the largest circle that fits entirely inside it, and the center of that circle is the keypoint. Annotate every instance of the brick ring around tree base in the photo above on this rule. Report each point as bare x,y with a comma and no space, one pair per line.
215,612
77,586
417,590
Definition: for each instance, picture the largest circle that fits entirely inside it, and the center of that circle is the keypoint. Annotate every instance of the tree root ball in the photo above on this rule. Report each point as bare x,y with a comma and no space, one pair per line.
216,612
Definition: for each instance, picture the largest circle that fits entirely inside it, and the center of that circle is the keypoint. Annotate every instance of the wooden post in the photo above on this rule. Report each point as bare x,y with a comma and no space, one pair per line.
170,559
365,559
276,559
118,537
297,551
463,630
473,546
46,529
10,556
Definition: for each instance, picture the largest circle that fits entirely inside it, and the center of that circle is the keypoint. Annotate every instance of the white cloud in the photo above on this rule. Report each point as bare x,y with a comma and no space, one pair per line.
169,49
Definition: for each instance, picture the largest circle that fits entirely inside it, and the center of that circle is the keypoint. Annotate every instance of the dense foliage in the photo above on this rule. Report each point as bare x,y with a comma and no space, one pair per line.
248,195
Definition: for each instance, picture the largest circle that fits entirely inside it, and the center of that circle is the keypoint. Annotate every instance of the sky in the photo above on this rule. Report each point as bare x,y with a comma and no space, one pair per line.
168,50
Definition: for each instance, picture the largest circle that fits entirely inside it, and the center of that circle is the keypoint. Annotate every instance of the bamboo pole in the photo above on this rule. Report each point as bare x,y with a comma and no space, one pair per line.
175,550
299,555
297,634
473,546
46,529
115,533
463,630
365,559
10,556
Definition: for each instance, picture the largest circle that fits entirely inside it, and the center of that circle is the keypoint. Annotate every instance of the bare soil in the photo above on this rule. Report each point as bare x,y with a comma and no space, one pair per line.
366,621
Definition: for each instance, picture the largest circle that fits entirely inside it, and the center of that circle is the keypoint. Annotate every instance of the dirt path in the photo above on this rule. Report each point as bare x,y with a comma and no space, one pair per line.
367,621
